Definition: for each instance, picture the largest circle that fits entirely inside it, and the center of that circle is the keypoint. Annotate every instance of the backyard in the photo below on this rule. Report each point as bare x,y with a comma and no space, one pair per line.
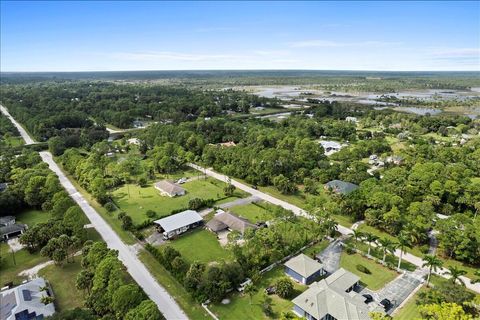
136,201
31,217
241,308
12,264
200,245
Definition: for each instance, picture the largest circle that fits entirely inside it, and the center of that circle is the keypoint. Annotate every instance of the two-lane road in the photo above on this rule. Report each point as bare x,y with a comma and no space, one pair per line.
166,304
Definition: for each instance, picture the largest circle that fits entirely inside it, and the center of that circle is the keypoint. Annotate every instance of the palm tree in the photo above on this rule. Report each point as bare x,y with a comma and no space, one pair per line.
403,243
455,273
357,235
370,238
387,245
330,226
433,263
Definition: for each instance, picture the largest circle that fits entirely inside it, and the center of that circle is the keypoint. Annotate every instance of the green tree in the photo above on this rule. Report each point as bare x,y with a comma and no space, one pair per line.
403,243
146,310
444,311
250,290
455,273
370,238
125,298
386,245
284,287
433,263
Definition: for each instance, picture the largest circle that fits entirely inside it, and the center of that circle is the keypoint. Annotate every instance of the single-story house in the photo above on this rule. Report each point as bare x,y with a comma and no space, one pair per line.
179,223
339,186
330,147
227,220
9,228
134,141
304,269
169,188
227,144
395,160
25,301
351,119
330,299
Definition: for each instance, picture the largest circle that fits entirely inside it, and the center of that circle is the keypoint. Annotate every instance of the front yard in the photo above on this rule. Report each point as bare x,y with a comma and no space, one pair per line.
241,308
378,275
254,212
200,245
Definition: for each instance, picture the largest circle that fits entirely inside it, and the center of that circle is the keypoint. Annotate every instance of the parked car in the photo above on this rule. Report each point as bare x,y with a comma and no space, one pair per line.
242,285
368,298
271,290
386,304
182,180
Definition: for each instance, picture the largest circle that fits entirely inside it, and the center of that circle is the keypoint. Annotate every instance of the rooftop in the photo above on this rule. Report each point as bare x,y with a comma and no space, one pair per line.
7,220
223,219
169,187
340,186
25,300
179,220
342,279
303,265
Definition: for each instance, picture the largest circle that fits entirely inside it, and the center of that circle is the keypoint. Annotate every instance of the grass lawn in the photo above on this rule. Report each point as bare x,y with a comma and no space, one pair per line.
379,275
31,217
254,212
175,289
14,141
24,260
316,248
62,279
135,200
451,262
201,245
410,309
241,308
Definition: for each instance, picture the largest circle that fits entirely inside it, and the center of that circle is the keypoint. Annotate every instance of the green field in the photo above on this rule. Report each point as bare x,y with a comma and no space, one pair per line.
135,200
200,245
240,307
174,288
23,260
254,212
316,248
31,217
62,279
379,275
410,310
14,141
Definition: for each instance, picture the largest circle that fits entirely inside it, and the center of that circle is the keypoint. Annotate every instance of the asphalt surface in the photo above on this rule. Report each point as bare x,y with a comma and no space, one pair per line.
330,256
300,212
166,304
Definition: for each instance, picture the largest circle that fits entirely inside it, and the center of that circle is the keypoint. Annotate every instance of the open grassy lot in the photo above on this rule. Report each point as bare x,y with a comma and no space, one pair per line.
241,308
379,275
254,212
62,279
136,201
14,141
316,248
192,308
201,245
31,217
23,260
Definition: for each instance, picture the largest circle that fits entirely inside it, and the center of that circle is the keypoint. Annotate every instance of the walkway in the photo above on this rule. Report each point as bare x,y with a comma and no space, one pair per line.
300,212
165,303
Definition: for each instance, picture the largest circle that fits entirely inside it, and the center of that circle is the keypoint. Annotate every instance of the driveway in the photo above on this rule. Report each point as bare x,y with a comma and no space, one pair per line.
239,202
330,257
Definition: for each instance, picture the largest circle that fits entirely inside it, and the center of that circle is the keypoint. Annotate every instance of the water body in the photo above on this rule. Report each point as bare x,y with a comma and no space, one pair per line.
419,111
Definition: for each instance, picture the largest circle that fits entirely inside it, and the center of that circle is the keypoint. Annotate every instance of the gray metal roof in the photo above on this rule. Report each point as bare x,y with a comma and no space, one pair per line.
169,187
179,220
7,220
342,279
303,265
11,229
341,186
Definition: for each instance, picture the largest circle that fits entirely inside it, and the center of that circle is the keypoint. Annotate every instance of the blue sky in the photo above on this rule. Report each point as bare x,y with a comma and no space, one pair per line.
95,36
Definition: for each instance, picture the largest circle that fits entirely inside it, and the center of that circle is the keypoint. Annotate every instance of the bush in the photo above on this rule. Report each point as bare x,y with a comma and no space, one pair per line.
363,269
121,214
139,235
127,222
349,249
110,207
151,214
284,287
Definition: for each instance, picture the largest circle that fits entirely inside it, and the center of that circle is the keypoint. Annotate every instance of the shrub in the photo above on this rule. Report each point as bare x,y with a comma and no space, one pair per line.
110,207
284,287
151,214
363,269
120,215
127,222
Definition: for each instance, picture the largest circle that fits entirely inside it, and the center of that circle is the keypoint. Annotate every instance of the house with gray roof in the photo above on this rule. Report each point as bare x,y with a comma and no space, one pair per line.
178,223
339,186
227,220
25,301
304,269
9,228
332,298
169,188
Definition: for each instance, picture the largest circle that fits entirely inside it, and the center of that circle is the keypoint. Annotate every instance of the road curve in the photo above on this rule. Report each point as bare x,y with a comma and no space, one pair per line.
300,212
166,304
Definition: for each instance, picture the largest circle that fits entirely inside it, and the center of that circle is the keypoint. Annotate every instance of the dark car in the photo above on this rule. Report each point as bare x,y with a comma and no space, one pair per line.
254,187
368,298
386,304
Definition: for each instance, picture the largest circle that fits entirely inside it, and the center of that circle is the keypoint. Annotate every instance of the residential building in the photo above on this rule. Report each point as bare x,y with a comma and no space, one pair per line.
179,223
169,188
351,119
330,147
339,186
134,141
9,228
304,269
24,302
226,220
332,298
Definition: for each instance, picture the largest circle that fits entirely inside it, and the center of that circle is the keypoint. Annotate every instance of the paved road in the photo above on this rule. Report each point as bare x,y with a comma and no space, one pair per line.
23,133
239,202
300,212
166,304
